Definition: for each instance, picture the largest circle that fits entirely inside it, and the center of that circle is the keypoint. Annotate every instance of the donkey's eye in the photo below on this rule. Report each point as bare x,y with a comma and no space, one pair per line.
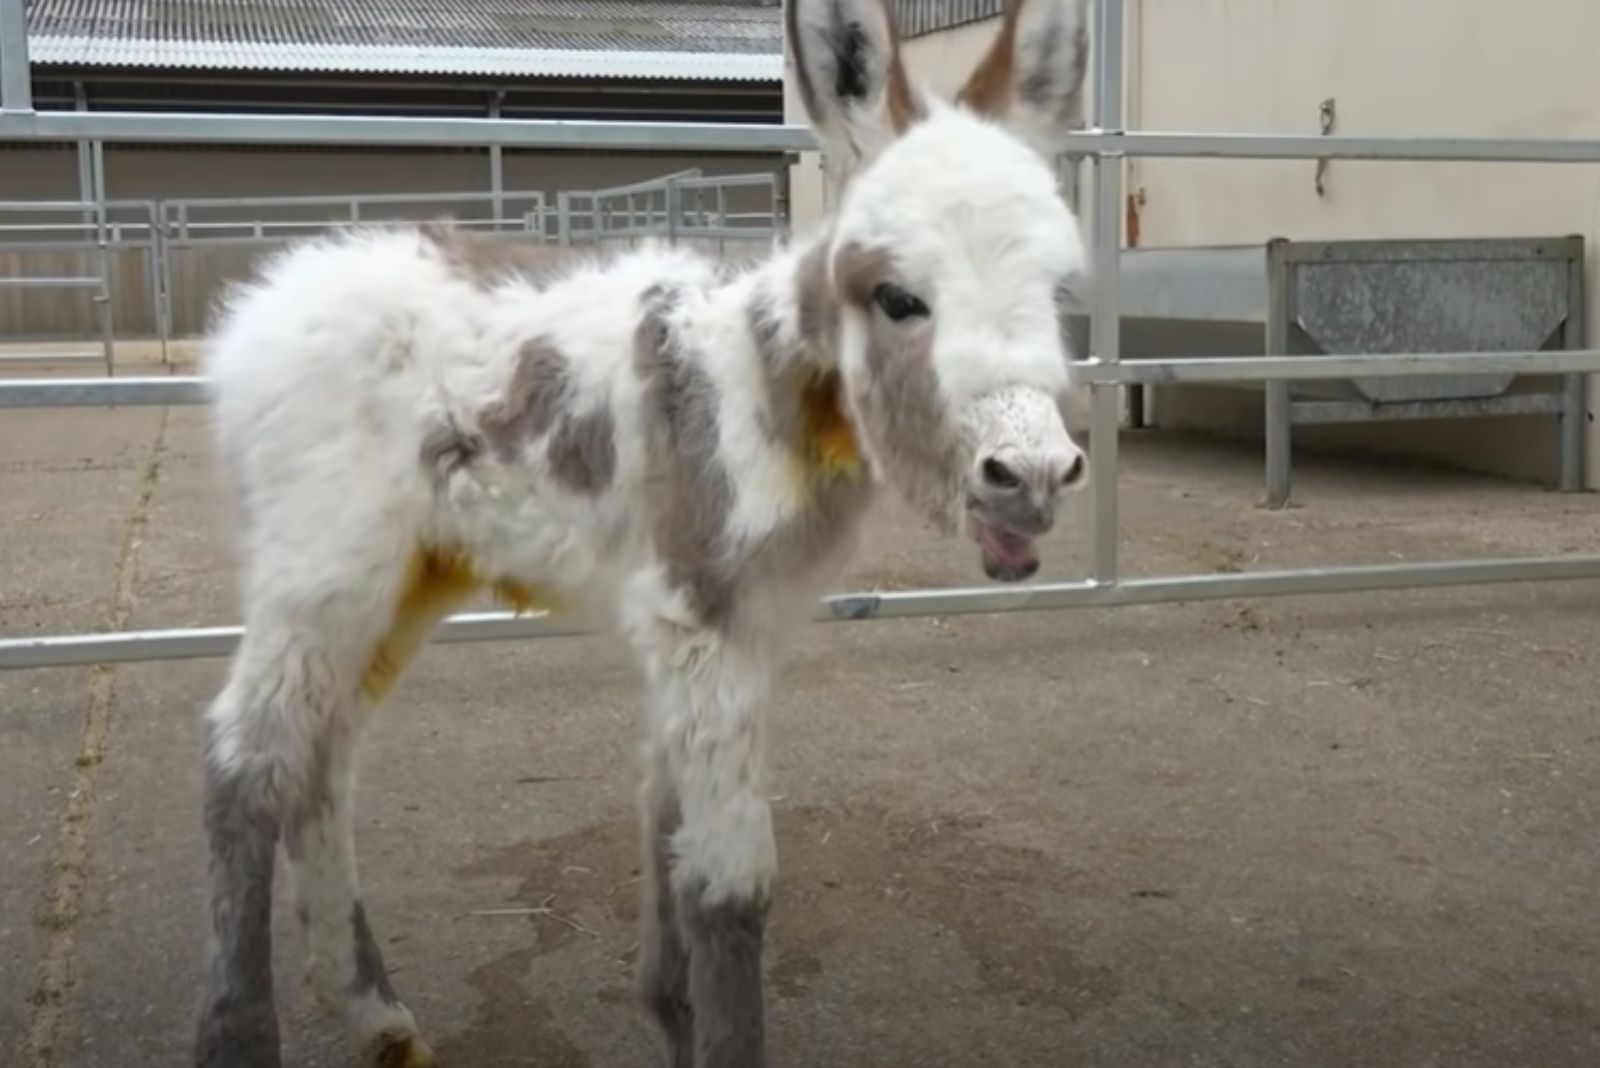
897,304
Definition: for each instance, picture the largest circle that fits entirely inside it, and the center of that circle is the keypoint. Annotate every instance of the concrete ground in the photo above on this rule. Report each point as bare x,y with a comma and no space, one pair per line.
1348,830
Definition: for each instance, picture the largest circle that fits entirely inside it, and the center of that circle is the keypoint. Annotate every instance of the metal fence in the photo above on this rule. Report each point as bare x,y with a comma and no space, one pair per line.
1107,144
154,267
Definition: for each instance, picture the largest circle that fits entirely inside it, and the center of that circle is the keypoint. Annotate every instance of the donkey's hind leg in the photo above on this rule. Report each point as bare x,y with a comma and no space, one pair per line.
238,1023
280,746
343,961
285,690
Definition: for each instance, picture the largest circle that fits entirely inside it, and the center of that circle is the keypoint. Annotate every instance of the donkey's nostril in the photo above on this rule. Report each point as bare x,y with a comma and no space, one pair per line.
999,475
1074,471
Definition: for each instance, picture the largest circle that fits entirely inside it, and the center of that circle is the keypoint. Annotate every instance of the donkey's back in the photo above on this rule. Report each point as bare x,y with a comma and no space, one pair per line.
386,393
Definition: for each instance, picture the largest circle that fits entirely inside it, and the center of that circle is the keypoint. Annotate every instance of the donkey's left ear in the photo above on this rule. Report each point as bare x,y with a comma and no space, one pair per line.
1031,79
846,56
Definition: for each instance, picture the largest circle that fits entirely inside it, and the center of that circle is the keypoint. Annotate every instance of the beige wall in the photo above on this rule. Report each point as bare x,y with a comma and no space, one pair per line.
1422,67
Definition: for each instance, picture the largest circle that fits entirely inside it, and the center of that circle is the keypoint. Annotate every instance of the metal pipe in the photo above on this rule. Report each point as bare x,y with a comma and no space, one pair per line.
195,643
102,392
1575,389
497,182
85,163
16,78
42,282
1154,144
108,282
1106,317
1308,368
1279,430
68,393
246,128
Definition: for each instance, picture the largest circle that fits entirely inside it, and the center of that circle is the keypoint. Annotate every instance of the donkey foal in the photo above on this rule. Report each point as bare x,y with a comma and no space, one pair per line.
410,417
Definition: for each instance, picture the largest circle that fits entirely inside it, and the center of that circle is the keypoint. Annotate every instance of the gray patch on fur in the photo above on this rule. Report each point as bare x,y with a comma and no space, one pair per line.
447,449
814,296
781,418
691,494
663,970
583,453
908,420
238,1024
533,399
725,979
805,538
900,408
370,972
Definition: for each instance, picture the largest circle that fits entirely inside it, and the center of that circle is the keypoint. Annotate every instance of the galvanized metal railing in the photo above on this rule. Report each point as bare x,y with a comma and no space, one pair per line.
1106,144
163,232
685,205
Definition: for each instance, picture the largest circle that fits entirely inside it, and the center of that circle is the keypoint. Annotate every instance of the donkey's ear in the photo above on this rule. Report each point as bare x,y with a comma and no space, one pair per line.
846,56
1031,79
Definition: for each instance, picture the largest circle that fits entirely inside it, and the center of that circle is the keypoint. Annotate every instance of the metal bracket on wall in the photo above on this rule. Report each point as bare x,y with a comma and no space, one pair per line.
1327,115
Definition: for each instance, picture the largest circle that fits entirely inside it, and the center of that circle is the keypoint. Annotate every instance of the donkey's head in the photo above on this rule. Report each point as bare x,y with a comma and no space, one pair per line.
948,253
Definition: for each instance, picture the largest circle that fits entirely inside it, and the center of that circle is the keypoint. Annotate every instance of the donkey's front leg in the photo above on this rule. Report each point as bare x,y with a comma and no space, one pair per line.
709,731
663,974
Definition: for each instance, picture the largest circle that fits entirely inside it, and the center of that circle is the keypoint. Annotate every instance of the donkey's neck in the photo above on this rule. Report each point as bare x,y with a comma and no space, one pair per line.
794,313
792,316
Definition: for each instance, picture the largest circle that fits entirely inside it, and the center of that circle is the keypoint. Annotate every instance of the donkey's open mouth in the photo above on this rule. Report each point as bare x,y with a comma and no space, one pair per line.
1007,555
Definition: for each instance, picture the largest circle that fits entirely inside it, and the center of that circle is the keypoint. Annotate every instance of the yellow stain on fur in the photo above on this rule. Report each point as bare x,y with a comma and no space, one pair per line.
827,441
395,1048
436,583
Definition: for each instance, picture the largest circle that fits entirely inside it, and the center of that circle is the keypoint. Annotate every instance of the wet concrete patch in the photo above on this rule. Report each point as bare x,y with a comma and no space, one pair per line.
844,871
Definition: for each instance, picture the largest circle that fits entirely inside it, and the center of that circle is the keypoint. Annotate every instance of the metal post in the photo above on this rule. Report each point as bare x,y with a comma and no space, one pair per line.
497,174
564,218
163,256
1574,393
108,288
781,203
85,159
672,197
1106,318
16,79
1279,415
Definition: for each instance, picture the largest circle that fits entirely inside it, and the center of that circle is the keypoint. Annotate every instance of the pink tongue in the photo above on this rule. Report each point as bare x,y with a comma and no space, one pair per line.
1013,550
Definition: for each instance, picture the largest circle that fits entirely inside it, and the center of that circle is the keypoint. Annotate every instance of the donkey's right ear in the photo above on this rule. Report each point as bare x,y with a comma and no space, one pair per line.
846,57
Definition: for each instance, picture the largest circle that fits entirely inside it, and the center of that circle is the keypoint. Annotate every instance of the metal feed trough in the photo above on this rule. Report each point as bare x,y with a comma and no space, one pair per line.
1106,144
1406,299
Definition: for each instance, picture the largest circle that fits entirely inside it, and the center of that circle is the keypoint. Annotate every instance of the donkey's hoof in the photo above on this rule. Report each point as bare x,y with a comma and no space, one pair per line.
399,1049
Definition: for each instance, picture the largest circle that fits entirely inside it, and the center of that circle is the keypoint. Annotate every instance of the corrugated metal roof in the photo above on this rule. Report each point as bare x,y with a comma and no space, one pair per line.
916,18
512,38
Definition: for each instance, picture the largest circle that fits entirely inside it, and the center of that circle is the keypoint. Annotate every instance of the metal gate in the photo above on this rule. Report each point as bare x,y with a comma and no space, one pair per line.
1106,144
